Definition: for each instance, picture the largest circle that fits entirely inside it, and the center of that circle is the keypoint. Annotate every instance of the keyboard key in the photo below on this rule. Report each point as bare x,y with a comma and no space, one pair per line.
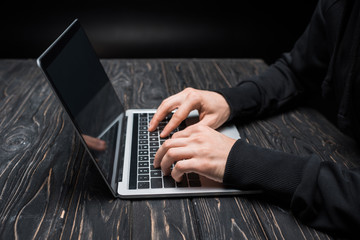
143,158
152,168
143,170
183,182
143,178
154,149
144,152
143,164
143,137
169,182
156,183
143,147
156,173
143,185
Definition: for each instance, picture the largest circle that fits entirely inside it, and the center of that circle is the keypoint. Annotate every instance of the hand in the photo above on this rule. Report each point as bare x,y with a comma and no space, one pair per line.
94,143
213,109
198,149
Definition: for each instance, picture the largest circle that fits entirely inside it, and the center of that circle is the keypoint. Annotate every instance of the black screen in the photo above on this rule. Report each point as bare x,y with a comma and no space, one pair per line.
80,81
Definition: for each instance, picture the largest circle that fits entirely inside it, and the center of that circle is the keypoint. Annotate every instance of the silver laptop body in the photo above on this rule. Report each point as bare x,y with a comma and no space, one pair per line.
82,86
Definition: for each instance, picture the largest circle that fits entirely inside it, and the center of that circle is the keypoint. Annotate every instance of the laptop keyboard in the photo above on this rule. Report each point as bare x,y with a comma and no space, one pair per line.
147,176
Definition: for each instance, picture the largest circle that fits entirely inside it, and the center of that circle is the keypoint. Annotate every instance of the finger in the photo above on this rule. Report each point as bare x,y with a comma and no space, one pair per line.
174,122
185,133
170,143
182,167
208,121
163,110
191,130
174,155
180,115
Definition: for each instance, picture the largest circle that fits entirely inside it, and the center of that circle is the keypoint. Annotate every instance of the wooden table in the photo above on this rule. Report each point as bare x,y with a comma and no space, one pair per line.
50,189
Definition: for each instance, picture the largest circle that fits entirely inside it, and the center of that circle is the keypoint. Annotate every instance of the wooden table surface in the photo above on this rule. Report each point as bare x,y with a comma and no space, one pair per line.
50,189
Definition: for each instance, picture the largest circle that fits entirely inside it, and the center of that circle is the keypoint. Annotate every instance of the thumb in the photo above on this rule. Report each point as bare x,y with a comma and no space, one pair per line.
208,121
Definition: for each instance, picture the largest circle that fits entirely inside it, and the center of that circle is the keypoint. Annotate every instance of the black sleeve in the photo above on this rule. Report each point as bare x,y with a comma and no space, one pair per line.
323,195
295,74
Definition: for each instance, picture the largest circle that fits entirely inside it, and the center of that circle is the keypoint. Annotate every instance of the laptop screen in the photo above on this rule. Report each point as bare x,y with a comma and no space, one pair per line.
79,79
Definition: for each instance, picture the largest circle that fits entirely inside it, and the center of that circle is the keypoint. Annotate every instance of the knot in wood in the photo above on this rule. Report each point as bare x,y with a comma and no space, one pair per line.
17,139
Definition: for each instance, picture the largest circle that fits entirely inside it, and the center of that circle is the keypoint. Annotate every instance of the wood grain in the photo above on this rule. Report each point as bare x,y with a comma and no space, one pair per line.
51,190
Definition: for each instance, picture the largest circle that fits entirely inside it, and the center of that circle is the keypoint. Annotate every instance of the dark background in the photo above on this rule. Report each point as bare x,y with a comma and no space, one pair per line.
159,29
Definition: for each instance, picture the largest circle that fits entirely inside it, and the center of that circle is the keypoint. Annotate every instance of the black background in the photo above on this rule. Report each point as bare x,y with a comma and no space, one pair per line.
159,29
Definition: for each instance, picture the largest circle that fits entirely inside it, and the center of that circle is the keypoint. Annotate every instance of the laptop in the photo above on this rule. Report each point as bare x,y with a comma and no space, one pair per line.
80,82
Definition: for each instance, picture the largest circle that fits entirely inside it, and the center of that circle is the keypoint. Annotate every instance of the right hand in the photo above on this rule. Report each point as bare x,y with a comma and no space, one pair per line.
198,149
213,109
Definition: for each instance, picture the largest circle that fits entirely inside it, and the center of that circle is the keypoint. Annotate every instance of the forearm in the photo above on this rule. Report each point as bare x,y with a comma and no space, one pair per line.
323,195
274,90
256,168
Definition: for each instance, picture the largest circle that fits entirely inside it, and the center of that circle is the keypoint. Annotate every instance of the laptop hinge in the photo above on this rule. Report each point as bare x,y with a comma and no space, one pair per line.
119,174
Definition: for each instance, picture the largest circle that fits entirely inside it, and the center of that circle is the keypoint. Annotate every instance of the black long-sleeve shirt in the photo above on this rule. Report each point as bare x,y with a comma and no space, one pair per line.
324,66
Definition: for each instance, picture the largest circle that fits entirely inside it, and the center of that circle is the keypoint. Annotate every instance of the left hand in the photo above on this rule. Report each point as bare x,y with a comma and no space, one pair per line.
212,107
198,149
